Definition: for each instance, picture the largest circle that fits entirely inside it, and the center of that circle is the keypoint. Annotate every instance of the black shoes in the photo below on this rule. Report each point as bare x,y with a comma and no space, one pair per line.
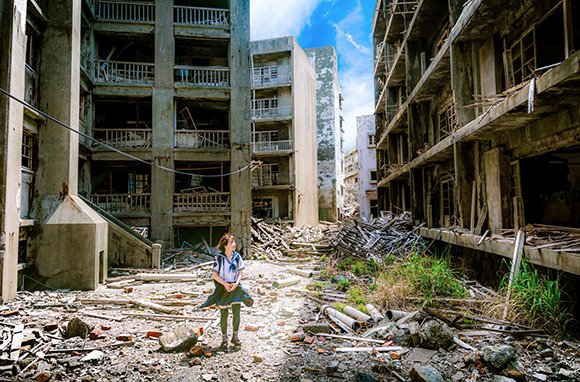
235,340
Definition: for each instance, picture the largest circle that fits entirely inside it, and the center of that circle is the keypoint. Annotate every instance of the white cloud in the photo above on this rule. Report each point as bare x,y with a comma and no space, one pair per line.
274,18
355,72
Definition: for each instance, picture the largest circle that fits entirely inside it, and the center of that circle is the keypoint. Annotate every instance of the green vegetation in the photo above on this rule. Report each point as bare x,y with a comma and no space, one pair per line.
537,300
430,276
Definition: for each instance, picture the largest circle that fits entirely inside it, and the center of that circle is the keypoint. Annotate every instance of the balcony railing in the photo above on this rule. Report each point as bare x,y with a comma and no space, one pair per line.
134,11
125,138
263,146
272,112
201,16
124,72
264,179
30,86
269,80
201,202
123,203
201,139
202,76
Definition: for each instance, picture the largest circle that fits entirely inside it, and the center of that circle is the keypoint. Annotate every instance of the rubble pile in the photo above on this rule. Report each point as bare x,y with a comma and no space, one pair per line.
274,242
144,327
379,238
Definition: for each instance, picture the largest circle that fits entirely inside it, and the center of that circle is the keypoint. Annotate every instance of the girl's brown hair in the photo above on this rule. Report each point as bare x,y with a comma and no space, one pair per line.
224,241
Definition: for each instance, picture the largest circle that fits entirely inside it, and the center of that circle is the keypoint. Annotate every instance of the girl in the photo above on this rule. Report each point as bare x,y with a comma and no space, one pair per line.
226,274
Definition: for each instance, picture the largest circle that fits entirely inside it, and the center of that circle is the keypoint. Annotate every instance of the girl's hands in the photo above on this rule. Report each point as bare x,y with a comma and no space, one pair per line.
231,286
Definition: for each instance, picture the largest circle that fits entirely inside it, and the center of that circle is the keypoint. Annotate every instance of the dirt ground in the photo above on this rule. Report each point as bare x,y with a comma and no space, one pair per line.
266,354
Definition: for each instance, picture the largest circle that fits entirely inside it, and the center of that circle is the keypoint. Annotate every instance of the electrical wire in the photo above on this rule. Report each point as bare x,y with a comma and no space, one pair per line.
48,116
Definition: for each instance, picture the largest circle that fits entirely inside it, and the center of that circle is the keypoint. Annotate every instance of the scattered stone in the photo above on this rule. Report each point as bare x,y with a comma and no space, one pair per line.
498,356
316,327
76,328
257,358
420,355
196,351
436,335
251,328
426,373
42,376
563,373
457,377
95,355
540,377
499,378
124,338
180,340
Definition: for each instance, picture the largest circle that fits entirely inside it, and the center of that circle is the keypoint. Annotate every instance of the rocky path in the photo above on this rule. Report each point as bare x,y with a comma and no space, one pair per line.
126,346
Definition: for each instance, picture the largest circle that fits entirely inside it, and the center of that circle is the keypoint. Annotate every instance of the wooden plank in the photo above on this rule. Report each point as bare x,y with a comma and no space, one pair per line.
516,262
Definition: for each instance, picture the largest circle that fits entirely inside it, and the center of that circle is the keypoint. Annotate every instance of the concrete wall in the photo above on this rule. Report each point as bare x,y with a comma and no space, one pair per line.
69,247
329,132
12,58
305,149
365,126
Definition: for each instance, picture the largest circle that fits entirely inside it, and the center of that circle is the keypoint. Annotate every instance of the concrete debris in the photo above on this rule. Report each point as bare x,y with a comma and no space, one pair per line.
498,356
393,235
435,335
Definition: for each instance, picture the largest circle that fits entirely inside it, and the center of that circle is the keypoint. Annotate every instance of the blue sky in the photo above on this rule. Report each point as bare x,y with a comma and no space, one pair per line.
344,24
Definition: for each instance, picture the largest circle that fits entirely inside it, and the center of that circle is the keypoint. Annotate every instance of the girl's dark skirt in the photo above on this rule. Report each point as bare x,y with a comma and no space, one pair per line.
221,298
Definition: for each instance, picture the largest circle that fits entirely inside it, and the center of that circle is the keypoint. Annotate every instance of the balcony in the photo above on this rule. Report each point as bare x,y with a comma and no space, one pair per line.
270,80
201,139
265,178
121,72
201,202
125,138
123,203
216,77
132,11
272,112
271,146
207,17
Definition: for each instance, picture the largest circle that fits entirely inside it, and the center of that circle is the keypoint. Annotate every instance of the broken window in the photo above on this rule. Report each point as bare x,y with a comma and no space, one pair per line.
27,150
123,124
373,176
266,175
550,186
447,199
263,75
537,48
371,140
447,118
265,207
201,125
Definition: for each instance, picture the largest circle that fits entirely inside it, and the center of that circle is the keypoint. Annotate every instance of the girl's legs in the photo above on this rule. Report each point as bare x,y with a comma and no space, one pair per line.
236,323
224,326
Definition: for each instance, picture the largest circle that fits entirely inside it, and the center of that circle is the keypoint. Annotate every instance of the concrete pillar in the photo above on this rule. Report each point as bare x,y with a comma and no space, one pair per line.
413,62
71,244
12,59
465,176
417,196
497,187
162,104
240,131
462,81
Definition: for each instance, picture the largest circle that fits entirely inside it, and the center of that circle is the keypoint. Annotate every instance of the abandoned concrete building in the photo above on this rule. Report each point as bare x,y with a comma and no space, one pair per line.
284,186
477,120
366,166
329,132
172,108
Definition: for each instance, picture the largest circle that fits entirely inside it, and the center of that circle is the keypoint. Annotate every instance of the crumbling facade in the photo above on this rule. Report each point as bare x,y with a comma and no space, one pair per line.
330,132
152,130
477,118
284,183
367,166
177,99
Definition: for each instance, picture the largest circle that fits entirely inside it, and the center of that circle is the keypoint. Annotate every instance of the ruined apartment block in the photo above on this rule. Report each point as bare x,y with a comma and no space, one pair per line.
366,166
477,119
329,132
350,185
284,184
176,98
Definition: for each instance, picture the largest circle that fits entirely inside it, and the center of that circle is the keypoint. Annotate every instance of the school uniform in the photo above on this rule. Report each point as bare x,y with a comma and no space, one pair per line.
227,270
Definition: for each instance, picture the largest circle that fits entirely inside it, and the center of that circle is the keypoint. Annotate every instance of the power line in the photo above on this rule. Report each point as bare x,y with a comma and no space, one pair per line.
46,115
